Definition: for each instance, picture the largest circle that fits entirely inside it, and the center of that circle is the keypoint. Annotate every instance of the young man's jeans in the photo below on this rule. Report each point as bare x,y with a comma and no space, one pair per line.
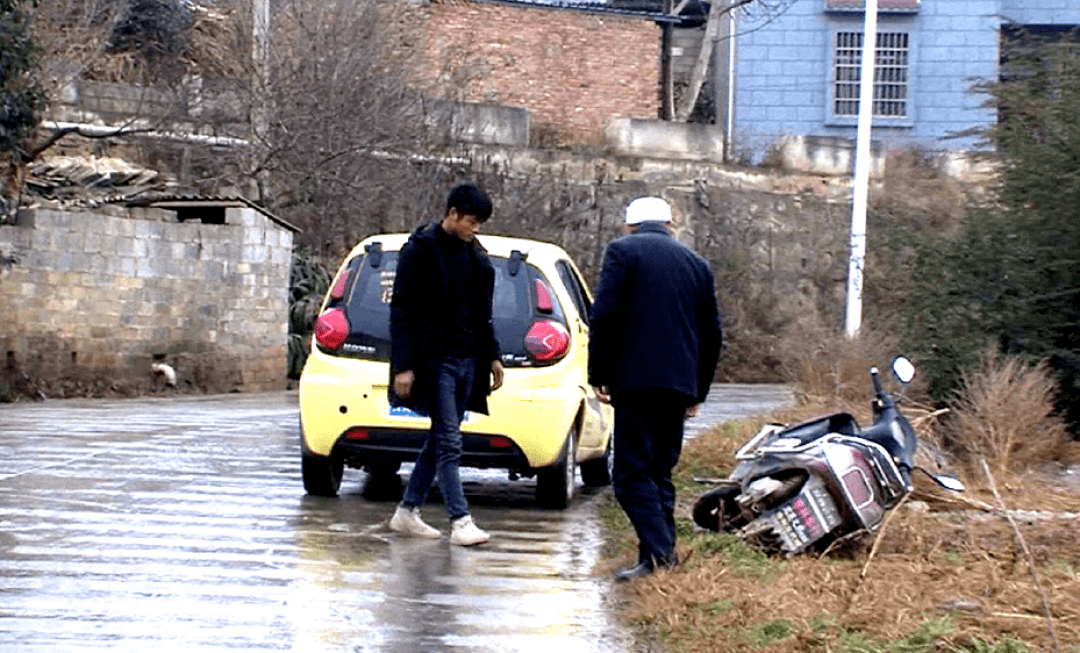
441,453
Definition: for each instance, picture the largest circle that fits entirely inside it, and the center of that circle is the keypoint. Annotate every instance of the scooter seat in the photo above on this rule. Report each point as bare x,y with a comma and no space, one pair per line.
804,432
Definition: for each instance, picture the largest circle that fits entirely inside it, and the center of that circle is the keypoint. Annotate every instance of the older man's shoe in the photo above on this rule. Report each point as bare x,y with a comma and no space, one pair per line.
637,571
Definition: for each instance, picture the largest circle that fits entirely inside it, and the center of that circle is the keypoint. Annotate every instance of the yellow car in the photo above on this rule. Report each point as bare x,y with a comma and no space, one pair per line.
545,421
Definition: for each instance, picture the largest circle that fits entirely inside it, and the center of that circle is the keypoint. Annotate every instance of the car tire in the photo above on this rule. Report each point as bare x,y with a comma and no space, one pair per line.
322,474
597,472
555,484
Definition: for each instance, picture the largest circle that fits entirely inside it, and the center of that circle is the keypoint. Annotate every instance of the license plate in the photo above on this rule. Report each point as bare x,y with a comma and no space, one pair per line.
403,413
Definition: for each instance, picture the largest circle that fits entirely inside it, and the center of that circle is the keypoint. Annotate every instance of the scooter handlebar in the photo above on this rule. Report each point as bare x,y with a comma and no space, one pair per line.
877,382
905,474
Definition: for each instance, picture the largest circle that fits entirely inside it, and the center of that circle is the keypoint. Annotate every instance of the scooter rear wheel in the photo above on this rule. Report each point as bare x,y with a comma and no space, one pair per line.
715,510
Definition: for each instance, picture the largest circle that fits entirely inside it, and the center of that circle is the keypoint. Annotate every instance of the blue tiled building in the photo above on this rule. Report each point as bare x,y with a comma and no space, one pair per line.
796,73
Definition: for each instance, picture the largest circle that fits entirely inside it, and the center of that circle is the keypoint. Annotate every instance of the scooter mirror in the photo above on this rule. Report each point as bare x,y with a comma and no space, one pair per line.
949,482
903,369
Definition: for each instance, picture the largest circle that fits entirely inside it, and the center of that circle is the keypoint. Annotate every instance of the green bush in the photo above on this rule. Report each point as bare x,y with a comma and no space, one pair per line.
308,282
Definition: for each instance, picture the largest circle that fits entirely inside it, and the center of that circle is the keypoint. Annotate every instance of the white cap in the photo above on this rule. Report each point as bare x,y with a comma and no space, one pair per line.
648,209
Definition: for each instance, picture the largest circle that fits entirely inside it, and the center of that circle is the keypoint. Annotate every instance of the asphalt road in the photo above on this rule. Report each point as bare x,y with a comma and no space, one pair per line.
181,524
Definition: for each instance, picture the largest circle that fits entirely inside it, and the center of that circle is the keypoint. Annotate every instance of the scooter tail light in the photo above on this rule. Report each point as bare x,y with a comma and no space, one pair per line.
857,487
331,328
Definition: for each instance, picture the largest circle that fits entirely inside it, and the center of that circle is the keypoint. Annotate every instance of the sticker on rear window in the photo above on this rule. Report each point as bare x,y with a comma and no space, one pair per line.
386,285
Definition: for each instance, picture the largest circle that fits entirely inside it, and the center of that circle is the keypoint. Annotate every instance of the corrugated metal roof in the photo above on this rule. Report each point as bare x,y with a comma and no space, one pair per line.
641,11
189,200
94,181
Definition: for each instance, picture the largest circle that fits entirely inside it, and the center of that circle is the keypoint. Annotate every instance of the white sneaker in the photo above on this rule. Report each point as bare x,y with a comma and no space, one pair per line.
464,532
407,521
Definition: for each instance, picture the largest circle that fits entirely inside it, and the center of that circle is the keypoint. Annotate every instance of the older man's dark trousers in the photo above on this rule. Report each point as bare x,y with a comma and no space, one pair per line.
648,441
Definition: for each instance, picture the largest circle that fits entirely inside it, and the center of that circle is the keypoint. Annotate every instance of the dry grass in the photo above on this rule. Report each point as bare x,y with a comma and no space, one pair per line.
833,368
962,579
1005,414
948,574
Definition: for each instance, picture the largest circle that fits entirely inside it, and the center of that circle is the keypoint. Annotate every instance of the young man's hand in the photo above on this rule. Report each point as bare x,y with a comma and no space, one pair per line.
403,383
602,393
496,375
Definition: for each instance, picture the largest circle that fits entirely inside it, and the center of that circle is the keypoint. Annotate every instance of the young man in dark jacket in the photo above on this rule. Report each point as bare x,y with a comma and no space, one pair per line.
653,348
444,358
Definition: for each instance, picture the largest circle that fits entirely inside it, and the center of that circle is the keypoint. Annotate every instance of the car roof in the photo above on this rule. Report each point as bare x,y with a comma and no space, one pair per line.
500,246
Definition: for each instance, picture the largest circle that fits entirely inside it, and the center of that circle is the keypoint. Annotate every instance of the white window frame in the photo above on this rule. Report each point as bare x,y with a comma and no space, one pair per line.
892,77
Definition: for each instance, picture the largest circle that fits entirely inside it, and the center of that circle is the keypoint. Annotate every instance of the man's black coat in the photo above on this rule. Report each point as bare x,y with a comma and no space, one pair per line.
418,314
655,323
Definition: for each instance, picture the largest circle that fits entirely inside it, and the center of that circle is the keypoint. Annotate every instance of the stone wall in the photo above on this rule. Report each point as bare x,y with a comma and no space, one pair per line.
89,299
773,234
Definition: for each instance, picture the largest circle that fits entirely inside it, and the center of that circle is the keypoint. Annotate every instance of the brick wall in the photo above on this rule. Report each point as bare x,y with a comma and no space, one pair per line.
88,299
572,70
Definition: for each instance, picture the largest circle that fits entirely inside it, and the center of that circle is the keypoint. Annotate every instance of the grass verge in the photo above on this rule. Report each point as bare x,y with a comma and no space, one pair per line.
948,575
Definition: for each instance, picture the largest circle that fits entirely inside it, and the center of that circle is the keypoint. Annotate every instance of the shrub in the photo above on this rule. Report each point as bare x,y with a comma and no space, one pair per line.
308,283
827,365
1004,413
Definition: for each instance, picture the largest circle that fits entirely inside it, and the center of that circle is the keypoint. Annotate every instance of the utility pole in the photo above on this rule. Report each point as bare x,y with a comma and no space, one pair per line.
861,183
667,82
260,56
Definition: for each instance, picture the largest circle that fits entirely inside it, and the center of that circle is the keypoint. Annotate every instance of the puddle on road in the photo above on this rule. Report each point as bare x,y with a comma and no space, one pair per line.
182,525
529,589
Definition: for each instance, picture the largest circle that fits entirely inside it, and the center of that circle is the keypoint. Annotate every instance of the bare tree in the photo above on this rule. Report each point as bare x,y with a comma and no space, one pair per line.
347,149
754,13
341,145
161,50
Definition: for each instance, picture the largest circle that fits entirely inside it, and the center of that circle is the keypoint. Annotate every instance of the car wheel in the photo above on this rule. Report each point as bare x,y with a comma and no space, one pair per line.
597,472
555,484
322,474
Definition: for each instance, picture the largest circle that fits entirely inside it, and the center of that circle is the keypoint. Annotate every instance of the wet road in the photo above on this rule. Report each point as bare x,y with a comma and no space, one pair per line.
181,524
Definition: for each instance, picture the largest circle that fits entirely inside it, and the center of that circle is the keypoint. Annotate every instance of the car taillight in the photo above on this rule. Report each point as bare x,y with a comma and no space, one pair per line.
357,434
331,328
547,340
339,288
543,297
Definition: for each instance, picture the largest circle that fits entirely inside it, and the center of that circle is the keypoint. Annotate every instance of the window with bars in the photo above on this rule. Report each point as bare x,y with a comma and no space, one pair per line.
891,75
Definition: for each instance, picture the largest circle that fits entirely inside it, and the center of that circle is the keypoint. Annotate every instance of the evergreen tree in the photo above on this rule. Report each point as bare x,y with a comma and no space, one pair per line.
1012,276
22,99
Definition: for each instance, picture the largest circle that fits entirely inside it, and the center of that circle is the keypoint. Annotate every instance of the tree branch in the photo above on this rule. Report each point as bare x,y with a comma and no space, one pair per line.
1027,554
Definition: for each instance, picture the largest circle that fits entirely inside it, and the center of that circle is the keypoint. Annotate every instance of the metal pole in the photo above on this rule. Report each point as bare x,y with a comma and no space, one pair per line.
730,151
860,185
260,51
260,55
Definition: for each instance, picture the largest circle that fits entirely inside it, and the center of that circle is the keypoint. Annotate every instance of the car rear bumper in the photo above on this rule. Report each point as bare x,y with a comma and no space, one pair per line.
339,397
387,445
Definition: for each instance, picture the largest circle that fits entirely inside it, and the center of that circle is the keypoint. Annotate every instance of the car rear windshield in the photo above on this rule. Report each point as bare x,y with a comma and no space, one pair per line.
369,288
